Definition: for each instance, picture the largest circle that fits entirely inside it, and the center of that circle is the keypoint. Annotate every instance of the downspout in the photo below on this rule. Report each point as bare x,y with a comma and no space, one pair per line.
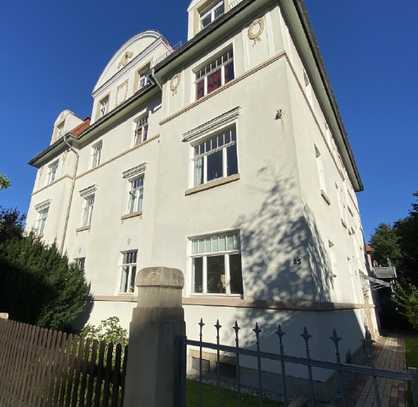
67,215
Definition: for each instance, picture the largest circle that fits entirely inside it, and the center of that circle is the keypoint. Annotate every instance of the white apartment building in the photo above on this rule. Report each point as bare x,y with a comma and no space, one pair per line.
226,158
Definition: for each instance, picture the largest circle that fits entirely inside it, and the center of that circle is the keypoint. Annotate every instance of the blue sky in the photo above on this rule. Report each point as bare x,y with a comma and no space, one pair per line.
53,53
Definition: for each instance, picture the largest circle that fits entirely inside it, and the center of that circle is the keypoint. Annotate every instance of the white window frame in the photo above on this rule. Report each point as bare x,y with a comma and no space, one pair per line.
96,154
321,170
59,130
130,266
121,93
143,77
211,12
210,66
135,195
229,131
205,255
52,172
81,263
141,128
41,221
87,210
103,106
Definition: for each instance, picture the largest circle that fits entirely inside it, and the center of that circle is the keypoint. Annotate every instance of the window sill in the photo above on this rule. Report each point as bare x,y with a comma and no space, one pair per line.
325,197
212,184
132,215
83,229
116,298
343,223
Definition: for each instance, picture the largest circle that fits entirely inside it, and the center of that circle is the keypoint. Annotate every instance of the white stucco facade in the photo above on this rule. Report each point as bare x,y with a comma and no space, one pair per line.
291,200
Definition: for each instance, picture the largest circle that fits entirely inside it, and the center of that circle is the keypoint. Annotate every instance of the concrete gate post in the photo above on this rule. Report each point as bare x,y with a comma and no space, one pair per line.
154,352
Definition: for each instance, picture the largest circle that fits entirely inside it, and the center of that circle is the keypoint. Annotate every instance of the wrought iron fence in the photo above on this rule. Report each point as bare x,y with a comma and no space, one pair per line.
257,395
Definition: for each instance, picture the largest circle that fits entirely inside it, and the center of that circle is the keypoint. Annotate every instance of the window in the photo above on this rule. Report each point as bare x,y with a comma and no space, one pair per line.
81,263
215,74
41,222
121,93
52,172
59,131
216,262
209,15
87,211
96,154
144,77
136,195
127,283
103,107
141,130
216,157
320,169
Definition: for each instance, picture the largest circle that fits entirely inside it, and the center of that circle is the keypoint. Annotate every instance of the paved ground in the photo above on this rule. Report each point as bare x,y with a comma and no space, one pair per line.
390,355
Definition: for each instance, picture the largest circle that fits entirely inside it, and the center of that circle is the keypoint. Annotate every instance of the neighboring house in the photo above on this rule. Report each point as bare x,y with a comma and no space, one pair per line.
226,158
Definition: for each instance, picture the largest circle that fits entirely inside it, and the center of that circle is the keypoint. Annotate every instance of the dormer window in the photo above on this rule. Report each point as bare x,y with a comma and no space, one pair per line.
122,93
211,13
143,77
103,107
59,132
215,73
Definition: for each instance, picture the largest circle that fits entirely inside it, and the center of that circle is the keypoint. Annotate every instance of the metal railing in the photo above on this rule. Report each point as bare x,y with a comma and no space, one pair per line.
341,370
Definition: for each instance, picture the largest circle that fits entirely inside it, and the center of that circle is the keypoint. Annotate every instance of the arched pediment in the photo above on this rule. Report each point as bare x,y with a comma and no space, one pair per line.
127,52
62,116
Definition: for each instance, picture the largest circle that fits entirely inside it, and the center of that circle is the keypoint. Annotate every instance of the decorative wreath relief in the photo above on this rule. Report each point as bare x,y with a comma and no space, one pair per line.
174,83
255,30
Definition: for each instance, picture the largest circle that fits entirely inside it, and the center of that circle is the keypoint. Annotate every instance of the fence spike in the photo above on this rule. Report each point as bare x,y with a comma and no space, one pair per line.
340,390
236,328
280,333
307,336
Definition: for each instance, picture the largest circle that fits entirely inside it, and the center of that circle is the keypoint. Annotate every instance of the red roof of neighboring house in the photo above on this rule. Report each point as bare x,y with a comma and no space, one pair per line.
77,131
369,249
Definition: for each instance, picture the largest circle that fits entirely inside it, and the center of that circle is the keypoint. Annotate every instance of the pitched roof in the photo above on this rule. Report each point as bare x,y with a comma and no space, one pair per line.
78,130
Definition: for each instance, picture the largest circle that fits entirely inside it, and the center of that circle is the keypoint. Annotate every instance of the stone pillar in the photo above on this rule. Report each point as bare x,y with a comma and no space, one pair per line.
153,353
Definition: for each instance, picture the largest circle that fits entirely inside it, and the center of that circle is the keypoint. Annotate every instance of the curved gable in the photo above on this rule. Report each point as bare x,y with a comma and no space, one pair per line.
126,53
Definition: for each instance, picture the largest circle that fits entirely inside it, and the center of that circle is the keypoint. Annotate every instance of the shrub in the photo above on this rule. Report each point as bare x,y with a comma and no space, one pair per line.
108,330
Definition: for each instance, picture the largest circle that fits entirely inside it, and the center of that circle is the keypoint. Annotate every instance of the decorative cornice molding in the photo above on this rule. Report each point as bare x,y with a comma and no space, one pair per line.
88,191
43,205
133,172
212,125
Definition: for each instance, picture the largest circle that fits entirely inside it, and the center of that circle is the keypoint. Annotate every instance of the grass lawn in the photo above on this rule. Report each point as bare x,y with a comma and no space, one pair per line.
228,398
411,344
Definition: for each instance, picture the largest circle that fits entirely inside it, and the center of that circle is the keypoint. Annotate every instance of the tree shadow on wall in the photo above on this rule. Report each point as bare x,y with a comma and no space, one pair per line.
285,262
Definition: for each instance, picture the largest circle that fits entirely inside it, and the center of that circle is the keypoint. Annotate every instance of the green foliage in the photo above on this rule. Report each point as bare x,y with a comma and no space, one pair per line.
407,229
4,182
11,224
39,286
406,298
108,330
385,243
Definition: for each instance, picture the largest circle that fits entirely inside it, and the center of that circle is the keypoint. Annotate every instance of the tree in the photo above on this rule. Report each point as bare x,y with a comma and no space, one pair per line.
11,224
385,242
4,182
406,297
407,230
39,286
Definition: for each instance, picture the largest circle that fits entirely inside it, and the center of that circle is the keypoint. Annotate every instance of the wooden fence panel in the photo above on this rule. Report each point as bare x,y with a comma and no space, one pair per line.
48,368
